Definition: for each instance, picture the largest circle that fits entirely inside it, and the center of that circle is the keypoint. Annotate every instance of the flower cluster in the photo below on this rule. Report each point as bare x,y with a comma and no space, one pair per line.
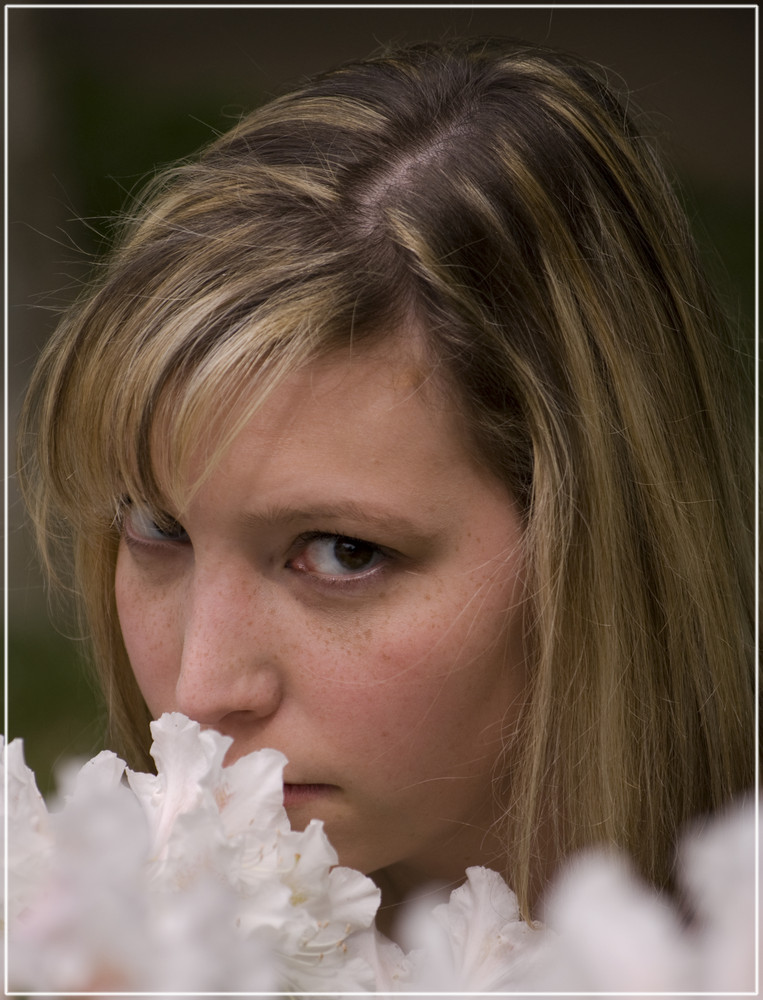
191,880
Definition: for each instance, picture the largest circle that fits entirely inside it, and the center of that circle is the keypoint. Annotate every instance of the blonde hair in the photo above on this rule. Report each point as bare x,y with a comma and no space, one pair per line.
500,196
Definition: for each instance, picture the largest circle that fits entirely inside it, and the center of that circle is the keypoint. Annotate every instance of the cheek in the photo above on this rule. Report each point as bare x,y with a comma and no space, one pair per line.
434,680
145,620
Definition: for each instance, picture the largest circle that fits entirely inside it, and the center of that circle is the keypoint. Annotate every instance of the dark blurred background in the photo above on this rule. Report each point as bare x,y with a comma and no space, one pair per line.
100,97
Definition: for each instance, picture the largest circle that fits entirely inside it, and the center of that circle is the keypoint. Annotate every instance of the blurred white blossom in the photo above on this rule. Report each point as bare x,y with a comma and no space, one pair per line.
609,932
718,868
474,942
191,880
612,931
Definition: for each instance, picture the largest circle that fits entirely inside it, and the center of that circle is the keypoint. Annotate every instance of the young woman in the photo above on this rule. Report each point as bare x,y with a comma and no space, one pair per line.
398,434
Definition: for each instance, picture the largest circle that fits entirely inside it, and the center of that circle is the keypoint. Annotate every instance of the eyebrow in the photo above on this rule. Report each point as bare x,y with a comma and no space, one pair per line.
346,510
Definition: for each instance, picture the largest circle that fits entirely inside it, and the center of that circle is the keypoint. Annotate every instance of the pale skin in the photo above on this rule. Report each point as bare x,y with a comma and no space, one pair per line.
347,587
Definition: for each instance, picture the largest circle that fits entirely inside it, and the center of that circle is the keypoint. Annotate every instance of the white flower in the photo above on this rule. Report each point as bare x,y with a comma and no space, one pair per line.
85,921
229,824
718,870
29,840
475,942
190,879
613,933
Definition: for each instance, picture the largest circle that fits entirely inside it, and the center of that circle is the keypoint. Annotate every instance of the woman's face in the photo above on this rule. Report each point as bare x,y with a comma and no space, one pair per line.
347,588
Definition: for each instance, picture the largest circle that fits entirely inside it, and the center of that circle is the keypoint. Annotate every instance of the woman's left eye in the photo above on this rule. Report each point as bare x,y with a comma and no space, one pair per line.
336,556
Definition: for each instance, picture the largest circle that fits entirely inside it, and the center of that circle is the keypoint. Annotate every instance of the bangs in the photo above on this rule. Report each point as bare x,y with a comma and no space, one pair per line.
184,387
189,392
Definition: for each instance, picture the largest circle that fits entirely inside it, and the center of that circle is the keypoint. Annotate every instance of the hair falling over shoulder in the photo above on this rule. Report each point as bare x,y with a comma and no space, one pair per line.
500,195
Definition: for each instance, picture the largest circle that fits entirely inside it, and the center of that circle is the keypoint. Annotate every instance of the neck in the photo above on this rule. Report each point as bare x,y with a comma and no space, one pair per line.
399,887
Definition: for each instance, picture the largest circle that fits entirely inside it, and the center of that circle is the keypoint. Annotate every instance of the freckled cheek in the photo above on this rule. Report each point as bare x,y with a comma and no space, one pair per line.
371,650
152,645
432,665
386,678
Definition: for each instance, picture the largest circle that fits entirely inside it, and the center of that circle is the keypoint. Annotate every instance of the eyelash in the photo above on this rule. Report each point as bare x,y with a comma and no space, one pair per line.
381,558
139,539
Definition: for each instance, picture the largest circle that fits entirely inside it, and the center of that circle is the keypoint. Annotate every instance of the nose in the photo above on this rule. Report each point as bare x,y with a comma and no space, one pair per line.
229,664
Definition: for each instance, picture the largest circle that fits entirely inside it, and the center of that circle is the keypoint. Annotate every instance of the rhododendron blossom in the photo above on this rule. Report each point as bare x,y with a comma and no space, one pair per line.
188,879
192,880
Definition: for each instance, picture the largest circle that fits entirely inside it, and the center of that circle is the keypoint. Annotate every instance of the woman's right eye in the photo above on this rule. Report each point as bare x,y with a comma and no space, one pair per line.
147,528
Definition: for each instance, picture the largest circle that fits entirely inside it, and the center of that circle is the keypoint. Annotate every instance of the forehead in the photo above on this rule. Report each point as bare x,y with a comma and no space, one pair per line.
385,382
360,417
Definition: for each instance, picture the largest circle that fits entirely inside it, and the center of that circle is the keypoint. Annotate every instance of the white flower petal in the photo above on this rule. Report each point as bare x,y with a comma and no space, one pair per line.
718,869
614,934
184,757
353,899
30,841
475,942
250,793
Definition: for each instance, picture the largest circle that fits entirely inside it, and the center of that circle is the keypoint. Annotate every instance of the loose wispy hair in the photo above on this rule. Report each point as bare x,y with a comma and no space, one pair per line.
498,199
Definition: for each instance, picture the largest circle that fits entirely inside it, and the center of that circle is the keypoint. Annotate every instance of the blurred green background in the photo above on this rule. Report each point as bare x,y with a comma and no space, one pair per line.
99,97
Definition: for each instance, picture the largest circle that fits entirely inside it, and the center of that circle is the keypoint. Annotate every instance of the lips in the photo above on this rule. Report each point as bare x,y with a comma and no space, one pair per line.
295,794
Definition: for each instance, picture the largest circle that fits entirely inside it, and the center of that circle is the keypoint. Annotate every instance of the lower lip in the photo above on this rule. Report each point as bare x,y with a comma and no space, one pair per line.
296,794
